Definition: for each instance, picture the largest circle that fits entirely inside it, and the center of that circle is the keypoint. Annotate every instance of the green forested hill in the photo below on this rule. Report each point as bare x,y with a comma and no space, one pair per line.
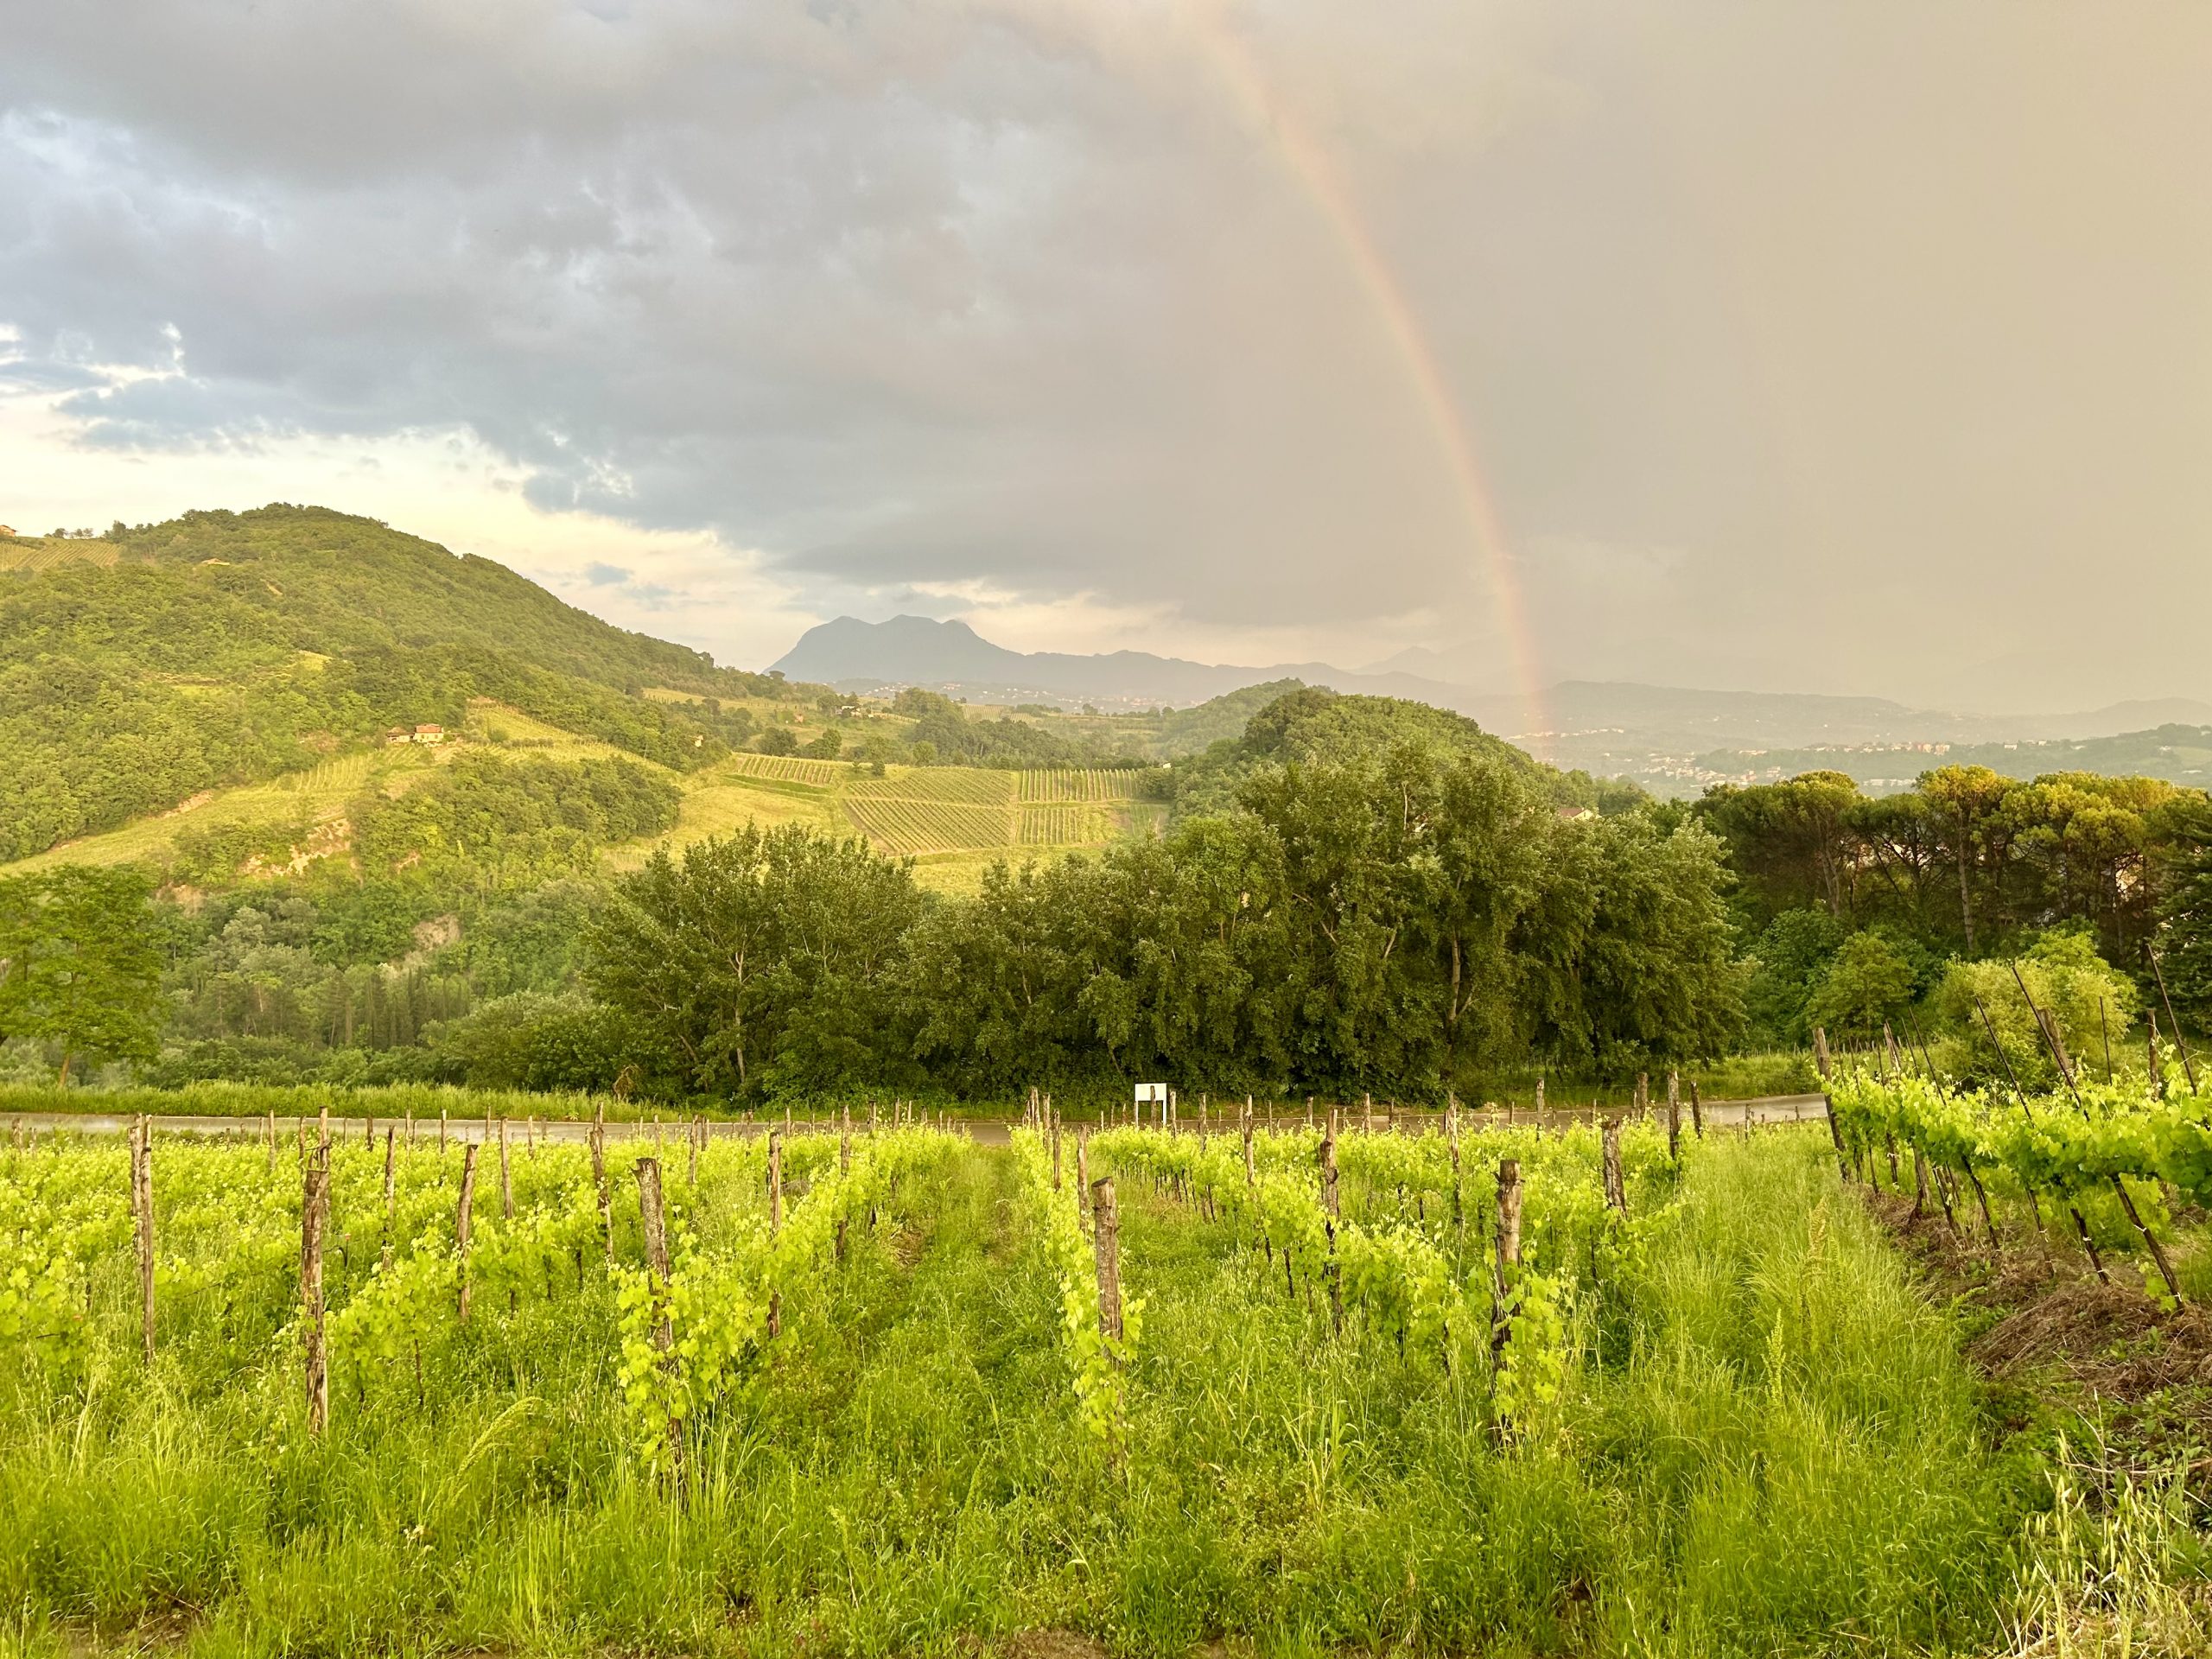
1311,725
224,648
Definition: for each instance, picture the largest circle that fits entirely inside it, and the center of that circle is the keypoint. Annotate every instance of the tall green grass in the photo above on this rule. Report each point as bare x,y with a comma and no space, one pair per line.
1767,1445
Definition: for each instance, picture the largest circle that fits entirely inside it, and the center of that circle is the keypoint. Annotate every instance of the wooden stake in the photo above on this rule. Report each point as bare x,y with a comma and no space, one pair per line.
1106,1236
2188,1065
1616,1186
599,1178
1458,1202
1697,1110
506,1185
653,1218
460,1222
1329,1166
1675,1117
775,1219
141,1204
1502,1285
390,1197
272,1141
1081,1171
441,1129
315,1216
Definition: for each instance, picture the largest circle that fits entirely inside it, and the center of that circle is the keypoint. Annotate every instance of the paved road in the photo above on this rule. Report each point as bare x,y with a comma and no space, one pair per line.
988,1131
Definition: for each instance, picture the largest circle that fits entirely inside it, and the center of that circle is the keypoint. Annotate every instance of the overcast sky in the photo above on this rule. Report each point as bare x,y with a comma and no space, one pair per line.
1860,348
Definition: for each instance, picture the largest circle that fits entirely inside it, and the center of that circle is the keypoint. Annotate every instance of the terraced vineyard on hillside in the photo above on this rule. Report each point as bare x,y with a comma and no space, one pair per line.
902,826
787,768
1065,826
1089,783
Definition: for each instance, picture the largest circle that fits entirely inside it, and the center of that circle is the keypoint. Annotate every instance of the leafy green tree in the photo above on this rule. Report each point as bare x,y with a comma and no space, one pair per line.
1788,965
1629,951
2088,1001
1967,801
777,740
1791,844
1869,985
2184,937
80,963
761,961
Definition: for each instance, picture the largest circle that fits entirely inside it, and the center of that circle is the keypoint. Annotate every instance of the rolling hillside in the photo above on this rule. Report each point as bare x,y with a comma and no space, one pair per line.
141,670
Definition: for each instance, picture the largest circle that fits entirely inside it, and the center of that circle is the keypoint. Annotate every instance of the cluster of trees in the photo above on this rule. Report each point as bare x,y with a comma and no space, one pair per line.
1390,924
1396,923
487,823
1858,909
79,969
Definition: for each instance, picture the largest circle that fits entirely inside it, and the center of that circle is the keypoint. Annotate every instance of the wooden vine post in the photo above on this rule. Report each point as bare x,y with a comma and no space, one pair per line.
1106,1239
460,1222
599,1178
652,1217
2089,1244
441,1129
1251,1164
314,1216
1330,1202
1458,1196
844,1167
506,1182
1501,1286
1697,1111
775,1220
1616,1186
272,1141
2049,1026
1082,1170
1054,1125
141,1210
1674,1118
390,1196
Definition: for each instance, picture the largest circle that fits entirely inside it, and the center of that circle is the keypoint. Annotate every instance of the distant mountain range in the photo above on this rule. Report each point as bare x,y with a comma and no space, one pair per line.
1669,738
952,658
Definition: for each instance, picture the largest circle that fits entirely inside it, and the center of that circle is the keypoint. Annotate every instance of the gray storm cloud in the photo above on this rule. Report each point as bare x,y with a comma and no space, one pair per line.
1835,348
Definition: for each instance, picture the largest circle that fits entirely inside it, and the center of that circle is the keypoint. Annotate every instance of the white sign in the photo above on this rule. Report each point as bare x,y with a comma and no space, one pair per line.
1151,1093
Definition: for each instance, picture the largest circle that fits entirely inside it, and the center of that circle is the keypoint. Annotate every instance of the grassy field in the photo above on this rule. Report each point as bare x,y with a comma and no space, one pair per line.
1758,1437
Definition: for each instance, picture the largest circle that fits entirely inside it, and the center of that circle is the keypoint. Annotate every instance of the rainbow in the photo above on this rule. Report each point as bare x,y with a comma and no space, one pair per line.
1309,164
